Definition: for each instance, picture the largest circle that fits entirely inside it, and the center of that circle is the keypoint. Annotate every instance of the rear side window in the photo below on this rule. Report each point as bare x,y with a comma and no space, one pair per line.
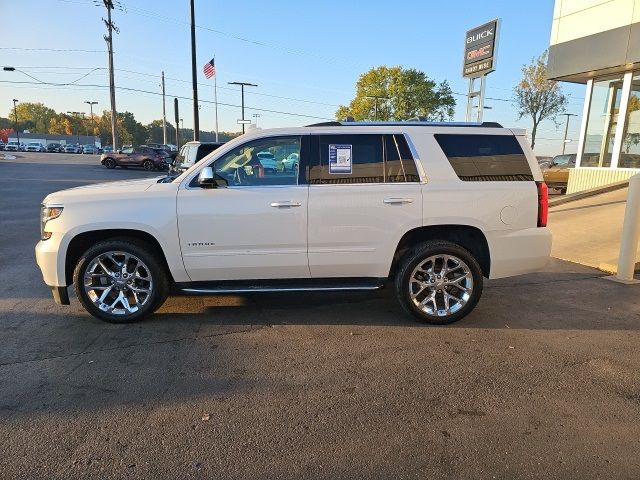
362,158
399,163
485,158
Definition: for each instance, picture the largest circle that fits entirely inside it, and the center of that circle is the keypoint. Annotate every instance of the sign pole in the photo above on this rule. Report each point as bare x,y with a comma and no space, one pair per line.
483,81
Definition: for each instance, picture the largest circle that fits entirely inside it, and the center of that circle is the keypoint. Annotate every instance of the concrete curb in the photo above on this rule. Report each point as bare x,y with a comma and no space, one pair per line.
612,267
572,197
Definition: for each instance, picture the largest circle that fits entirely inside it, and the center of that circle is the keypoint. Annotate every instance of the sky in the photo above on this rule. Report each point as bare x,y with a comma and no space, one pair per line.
305,57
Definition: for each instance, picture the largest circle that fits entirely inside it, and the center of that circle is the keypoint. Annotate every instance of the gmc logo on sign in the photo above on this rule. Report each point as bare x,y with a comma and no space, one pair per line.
479,52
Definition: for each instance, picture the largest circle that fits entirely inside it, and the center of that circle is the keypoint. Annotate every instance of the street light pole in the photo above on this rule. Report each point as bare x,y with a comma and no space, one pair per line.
91,104
15,114
242,85
256,116
566,129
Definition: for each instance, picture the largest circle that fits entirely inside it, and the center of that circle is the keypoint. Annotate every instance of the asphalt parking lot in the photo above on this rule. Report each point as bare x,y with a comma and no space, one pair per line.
541,381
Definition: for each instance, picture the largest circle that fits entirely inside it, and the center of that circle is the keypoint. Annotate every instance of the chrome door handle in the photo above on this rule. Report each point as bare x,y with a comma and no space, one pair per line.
285,204
397,201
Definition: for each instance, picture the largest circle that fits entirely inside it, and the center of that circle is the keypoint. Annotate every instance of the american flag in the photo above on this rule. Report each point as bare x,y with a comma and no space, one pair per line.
209,68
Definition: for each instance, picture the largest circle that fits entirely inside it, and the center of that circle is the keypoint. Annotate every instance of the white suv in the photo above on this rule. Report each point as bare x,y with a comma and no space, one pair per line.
429,208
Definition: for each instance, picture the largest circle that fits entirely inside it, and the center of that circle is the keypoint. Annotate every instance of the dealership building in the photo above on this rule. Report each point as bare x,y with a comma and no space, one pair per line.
597,43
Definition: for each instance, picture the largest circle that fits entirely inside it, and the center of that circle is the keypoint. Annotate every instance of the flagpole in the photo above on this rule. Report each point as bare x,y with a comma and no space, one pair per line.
215,95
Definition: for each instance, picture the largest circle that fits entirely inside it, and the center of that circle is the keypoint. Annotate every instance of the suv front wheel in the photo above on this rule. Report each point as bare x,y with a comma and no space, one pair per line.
120,281
439,282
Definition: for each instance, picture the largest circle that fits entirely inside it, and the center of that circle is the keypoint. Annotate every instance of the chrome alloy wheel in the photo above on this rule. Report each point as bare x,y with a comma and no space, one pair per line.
441,285
118,283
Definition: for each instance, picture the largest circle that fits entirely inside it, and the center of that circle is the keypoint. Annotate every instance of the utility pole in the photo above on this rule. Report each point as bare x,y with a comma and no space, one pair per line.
375,104
164,115
112,89
242,85
194,77
15,114
177,119
566,129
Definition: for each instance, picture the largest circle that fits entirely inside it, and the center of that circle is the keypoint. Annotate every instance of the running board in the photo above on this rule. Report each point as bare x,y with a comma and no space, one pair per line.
214,288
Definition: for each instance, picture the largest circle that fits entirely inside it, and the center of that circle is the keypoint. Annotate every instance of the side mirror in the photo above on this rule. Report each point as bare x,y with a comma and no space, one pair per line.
206,178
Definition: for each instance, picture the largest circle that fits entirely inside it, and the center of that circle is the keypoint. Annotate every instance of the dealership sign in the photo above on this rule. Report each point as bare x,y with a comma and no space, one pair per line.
479,50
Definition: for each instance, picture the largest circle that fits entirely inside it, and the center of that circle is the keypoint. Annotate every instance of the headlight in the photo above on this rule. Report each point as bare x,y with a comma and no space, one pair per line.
48,213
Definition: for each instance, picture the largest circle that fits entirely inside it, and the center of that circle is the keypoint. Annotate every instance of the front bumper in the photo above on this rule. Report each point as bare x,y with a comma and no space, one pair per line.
52,268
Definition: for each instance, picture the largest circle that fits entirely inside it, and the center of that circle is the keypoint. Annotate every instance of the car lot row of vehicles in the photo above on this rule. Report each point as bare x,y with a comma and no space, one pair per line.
50,147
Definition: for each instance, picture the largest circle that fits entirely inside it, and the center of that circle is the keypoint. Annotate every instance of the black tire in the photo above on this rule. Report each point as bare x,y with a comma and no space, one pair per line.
563,191
153,267
419,254
110,163
148,165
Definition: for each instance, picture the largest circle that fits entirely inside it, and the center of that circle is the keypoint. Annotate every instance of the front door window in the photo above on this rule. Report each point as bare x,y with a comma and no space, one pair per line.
263,162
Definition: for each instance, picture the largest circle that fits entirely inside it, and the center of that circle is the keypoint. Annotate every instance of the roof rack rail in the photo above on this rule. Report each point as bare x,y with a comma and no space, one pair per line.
412,122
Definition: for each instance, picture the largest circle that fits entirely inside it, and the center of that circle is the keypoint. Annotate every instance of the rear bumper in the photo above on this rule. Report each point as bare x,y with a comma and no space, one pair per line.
518,252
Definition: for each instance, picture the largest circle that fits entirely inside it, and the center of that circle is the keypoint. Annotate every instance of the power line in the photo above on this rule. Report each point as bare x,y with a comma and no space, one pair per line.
179,97
154,76
53,49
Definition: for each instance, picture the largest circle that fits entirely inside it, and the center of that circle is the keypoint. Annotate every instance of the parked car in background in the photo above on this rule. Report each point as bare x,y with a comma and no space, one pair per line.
556,175
107,149
34,147
166,148
142,156
90,149
290,164
544,161
192,152
54,148
12,147
72,148
1,145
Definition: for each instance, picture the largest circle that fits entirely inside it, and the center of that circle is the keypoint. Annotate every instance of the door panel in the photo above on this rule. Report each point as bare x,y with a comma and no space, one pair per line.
256,227
235,233
354,229
358,213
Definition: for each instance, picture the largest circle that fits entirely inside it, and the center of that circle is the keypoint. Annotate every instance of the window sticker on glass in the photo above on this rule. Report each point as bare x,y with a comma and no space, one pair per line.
340,158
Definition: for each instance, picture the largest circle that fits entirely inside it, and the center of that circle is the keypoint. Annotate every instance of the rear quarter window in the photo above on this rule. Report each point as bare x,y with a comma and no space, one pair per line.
485,158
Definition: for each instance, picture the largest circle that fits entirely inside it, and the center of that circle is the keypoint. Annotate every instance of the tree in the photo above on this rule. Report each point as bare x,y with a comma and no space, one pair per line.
406,93
61,125
33,116
537,97
155,134
4,134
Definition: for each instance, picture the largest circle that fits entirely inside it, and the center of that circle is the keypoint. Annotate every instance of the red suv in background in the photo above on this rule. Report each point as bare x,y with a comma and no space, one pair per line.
142,156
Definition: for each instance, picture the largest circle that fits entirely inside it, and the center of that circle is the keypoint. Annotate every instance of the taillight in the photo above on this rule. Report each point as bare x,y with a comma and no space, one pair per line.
543,204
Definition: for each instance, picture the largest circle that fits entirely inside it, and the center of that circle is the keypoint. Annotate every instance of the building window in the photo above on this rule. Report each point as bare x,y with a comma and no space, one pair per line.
630,154
601,123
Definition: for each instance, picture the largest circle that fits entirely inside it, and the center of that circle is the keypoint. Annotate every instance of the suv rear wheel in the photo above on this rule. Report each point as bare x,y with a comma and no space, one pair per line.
148,165
439,282
119,281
